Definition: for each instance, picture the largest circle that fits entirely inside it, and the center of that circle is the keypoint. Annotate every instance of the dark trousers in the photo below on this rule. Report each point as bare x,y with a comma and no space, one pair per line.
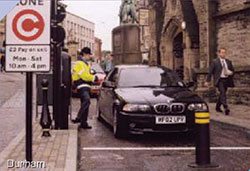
85,102
222,87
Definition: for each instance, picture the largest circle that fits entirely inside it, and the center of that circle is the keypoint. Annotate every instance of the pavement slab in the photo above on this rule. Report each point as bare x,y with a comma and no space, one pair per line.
239,116
59,152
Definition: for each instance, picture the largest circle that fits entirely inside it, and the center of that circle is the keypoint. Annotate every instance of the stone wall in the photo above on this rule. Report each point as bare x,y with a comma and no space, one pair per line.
225,5
156,18
202,15
233,33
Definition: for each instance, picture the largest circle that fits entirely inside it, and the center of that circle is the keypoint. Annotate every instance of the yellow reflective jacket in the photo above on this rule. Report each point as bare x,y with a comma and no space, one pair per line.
81,76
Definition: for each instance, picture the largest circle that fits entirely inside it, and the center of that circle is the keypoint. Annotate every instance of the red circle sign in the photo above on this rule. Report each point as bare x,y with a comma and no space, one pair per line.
32,29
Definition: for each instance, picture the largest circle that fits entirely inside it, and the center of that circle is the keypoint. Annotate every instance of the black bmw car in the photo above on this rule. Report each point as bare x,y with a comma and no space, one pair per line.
140,98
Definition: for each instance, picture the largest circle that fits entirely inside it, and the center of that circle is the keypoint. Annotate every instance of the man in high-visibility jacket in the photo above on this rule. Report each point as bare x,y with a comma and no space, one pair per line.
82,79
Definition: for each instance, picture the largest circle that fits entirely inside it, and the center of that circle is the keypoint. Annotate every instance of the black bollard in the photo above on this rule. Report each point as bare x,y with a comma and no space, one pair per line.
45,121
202,149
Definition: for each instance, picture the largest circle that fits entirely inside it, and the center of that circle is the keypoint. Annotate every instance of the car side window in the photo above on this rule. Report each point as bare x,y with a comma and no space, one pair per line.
113,75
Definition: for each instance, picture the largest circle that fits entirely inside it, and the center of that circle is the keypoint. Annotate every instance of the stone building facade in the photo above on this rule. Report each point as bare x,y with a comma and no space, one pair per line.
143,19
98,49
80,33
2,32
186,35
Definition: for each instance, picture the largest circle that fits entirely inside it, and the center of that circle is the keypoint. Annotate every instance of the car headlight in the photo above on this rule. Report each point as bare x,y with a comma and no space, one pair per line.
197,107
136,108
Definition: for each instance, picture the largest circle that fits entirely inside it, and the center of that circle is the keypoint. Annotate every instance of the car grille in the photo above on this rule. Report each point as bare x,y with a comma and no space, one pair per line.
162,108
177,108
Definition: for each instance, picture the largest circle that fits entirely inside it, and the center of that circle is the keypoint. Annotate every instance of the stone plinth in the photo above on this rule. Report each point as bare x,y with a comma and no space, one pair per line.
126,44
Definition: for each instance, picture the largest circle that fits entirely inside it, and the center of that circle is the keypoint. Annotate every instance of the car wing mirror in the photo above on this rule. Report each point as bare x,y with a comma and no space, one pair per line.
108,84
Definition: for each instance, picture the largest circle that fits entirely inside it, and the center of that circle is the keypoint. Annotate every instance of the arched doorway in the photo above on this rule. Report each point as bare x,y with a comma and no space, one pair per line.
180,39
178,61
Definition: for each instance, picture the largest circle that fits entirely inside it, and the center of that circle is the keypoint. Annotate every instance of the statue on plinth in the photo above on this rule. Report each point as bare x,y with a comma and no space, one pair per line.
128,12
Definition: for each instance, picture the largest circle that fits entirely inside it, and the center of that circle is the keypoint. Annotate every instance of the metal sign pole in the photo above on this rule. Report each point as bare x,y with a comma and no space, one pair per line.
29,116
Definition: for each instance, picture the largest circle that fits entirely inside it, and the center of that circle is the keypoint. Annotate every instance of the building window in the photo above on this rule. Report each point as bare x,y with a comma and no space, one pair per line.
78,29
75,29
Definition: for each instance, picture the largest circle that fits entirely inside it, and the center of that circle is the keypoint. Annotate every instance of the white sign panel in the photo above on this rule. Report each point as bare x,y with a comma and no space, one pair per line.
29,23
28,36
27,58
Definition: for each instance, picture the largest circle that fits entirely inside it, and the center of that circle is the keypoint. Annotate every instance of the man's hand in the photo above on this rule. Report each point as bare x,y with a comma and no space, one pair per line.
206,84
229,73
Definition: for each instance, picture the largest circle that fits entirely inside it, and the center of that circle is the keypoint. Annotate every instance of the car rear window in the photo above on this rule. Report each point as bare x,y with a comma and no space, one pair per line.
158,77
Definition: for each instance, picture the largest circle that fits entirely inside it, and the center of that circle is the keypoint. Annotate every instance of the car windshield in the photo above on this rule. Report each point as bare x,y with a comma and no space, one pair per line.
149,77
97,68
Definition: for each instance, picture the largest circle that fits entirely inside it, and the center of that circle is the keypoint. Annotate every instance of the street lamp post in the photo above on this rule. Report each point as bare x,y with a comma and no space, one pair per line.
56,67
58,36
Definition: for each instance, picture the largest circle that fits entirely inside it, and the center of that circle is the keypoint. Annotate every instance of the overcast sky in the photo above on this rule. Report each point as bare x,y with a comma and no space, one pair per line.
104,13
6,6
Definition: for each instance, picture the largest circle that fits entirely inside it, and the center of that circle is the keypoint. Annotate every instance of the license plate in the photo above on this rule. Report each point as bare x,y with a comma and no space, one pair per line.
170,119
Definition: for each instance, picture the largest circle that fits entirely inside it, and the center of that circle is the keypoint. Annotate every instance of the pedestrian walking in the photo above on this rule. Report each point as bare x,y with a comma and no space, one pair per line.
109,64
82,79
222,71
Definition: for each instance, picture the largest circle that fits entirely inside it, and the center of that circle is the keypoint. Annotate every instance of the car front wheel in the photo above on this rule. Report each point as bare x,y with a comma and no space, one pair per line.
120,129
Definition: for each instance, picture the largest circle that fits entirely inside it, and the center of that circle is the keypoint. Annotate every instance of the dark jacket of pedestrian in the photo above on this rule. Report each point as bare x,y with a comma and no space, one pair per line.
216,69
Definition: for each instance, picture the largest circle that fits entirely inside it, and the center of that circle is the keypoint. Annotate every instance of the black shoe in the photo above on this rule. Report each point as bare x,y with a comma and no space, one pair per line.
76,120
227,111
85,126
218,110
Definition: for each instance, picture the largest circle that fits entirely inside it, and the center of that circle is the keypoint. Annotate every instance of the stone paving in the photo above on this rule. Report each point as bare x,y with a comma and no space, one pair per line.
10,83
12,104
239,116
59,152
